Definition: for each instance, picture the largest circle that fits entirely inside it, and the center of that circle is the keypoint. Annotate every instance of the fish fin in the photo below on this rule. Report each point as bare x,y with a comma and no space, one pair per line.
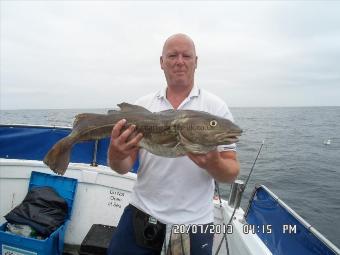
197,148
126,107
188,146
58,158
171,144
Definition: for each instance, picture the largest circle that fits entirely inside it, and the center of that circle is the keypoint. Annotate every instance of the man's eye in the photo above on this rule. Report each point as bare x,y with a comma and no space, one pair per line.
187,56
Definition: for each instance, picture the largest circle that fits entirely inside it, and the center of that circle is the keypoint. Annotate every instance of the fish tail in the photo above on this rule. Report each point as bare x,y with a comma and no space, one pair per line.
58,158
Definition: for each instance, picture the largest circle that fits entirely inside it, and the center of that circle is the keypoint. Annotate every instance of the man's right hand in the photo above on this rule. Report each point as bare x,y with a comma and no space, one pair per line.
122,145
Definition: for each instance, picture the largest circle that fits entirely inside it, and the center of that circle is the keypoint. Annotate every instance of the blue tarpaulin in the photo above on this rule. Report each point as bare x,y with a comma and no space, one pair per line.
32,143
288,236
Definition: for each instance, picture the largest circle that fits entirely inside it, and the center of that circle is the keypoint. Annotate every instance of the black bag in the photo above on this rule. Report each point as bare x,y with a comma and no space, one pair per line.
149,232
42,209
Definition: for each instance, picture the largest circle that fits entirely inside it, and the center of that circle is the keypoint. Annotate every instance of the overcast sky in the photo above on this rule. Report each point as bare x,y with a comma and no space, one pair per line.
95,54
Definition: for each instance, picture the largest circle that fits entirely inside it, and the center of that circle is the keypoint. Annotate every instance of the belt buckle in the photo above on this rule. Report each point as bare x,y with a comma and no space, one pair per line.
152,220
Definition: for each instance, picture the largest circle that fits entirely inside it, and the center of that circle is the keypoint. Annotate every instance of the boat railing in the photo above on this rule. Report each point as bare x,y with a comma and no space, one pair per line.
265,209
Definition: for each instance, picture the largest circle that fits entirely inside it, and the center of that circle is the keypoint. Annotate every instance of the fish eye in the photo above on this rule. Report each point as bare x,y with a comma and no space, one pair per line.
213,123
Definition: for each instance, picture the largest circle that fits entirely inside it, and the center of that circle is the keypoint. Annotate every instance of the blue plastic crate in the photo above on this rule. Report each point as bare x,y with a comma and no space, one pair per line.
54,244
20,245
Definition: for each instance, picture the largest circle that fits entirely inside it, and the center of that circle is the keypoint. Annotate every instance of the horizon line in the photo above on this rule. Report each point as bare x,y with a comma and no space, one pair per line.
99,108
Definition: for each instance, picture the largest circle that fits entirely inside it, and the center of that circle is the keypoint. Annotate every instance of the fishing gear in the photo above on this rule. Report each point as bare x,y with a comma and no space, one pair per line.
224,234
240,189
252,168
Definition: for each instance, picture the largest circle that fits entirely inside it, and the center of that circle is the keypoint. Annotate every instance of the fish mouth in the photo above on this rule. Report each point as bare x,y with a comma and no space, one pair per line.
233,139
229,138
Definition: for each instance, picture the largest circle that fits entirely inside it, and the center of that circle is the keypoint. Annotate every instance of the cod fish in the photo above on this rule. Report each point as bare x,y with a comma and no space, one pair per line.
170,133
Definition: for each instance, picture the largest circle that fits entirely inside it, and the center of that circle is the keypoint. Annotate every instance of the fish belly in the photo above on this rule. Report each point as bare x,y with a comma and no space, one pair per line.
173,151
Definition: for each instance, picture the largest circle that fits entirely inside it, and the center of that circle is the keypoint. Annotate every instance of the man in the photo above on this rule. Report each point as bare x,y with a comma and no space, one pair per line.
172,190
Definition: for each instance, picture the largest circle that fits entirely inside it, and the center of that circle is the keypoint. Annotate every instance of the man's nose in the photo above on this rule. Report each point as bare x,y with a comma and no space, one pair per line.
179,60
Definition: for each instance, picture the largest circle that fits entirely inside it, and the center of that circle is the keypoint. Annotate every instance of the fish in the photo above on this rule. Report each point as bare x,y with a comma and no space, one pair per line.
170,133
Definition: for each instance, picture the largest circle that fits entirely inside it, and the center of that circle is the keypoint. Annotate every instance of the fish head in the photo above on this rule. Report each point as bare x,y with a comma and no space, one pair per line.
207,129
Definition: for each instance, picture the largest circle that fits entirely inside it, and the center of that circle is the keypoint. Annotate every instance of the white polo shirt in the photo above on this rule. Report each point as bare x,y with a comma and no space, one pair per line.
176,190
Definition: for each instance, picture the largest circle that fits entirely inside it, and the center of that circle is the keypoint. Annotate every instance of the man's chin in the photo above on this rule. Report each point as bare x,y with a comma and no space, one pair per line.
181,83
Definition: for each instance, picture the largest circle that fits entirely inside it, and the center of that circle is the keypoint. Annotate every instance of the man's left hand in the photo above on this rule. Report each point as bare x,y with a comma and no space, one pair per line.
205,161
222,166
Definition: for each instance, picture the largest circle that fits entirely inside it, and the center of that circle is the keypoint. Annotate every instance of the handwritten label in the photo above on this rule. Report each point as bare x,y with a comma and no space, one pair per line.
116,198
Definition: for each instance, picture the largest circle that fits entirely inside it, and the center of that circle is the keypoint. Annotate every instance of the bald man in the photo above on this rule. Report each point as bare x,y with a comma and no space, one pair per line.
171,191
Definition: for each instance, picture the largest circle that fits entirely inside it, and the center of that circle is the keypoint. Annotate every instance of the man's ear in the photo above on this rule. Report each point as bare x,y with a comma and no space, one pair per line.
161,62
196,62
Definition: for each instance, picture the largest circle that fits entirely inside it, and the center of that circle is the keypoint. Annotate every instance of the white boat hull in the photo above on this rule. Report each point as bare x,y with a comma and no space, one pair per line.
101,198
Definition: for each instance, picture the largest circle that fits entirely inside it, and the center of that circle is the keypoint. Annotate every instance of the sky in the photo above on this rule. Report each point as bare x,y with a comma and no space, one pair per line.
96,54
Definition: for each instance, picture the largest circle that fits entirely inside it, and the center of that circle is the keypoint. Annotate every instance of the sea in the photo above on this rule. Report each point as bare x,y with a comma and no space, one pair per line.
299,161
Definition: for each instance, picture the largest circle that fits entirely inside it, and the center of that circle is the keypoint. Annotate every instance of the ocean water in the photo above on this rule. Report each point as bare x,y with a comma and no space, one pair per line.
294,163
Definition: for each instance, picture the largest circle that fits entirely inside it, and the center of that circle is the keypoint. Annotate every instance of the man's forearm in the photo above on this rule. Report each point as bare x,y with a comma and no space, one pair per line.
225,170
121,166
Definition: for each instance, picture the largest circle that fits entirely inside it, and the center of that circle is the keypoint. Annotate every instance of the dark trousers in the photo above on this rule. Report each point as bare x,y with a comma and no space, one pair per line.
123,241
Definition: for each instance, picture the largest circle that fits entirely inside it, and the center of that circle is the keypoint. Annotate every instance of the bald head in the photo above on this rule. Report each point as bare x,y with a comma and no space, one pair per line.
176,37
179,62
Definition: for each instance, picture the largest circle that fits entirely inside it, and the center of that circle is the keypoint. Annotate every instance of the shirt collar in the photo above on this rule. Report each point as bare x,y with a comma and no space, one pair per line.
195,91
